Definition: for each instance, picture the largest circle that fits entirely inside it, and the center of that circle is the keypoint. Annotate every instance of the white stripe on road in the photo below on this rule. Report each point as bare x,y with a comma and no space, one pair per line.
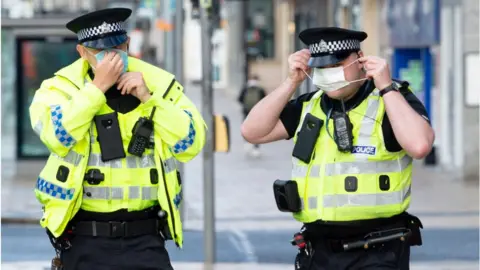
240,240
448,265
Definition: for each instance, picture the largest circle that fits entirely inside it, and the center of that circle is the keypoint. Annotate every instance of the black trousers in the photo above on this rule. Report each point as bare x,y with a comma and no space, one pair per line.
391,255
133,253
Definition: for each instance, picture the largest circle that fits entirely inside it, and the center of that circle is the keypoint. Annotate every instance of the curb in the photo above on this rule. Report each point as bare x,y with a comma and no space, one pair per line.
19,220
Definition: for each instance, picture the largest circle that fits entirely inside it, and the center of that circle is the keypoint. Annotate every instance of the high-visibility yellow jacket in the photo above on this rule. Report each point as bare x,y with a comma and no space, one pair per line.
367,183
62,114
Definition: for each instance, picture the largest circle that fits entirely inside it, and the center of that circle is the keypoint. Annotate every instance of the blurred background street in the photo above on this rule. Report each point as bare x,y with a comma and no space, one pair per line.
250,231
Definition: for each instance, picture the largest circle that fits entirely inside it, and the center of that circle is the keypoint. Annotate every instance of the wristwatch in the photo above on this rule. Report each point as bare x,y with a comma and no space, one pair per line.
391,87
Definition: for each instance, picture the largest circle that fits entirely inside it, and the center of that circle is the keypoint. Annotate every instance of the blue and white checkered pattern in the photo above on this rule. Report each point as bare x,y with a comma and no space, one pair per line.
104,28
54,190
182,145
62,135
334,46
178,199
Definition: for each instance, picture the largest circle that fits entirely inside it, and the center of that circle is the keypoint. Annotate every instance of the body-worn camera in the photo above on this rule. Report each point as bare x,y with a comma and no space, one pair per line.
141,133
307,138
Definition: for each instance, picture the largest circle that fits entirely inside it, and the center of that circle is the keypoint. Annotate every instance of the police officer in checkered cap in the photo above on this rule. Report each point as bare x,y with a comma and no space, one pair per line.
355,138
116,127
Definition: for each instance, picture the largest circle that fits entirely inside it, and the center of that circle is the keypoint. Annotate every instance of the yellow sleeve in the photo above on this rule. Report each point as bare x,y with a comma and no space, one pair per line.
59,119
178,122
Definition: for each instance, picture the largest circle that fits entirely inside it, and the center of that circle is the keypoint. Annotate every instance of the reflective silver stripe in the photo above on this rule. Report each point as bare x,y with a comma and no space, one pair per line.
116,164
146,161
134,192
132,161
312,202
72,157
96,160
38,128
117,193
367,167
368,125
152,139
298,170
315,171
355,167
96,193
301,170
149,193
378,199
170,165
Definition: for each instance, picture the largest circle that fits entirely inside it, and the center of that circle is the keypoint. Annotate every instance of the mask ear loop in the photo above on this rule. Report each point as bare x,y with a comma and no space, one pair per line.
359,80
310,79
307,75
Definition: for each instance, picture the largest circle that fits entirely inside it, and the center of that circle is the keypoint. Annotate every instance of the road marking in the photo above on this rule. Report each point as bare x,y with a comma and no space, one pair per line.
240,240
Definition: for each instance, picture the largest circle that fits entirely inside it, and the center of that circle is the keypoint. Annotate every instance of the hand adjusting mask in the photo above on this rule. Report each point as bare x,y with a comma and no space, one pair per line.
331,79
100,55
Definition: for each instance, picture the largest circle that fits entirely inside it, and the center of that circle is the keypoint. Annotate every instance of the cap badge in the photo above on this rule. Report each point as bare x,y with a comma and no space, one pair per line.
323,47
104,28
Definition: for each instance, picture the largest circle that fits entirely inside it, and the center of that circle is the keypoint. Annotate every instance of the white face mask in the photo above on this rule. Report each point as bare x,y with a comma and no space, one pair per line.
331,79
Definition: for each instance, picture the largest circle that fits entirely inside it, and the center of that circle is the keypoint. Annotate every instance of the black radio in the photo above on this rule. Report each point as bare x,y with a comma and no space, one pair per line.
141,134
343,130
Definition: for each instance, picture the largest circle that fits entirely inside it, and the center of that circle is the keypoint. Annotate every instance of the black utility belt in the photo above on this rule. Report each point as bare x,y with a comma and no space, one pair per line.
404,227
371,240
118,228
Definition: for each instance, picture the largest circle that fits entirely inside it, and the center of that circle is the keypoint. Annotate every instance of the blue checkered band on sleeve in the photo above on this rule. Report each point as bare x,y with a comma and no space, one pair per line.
54,190
182,145
178,199
62,135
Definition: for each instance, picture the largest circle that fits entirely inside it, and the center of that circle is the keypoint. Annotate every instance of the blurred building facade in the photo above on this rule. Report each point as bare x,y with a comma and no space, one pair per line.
407,34
271,35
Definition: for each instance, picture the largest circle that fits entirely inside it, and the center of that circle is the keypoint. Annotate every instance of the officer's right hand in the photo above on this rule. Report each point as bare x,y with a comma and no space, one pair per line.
298,65
107,71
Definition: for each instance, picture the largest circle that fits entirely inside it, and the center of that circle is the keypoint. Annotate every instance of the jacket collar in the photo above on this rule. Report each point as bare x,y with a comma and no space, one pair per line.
156,78
75,72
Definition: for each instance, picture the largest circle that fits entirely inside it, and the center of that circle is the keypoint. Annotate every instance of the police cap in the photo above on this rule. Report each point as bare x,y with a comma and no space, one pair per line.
330,45
101,29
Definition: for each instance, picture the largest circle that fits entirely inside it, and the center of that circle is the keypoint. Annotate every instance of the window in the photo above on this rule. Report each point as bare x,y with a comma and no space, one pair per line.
40,59
260,29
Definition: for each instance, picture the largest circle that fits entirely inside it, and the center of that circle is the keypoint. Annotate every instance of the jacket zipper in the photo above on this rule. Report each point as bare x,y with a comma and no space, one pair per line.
169,202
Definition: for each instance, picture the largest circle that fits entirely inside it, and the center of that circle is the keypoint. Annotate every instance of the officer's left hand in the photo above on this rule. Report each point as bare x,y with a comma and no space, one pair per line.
378,70
133,83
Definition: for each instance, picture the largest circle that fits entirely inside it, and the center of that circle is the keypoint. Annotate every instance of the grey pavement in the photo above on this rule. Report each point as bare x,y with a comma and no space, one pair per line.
28,243
250,228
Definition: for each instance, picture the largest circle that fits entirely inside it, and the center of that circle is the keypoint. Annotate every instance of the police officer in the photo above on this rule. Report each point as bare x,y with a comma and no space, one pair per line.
115,127
355,138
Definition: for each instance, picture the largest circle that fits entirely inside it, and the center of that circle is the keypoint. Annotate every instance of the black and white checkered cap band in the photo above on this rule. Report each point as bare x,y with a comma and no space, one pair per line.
334,46
104,28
